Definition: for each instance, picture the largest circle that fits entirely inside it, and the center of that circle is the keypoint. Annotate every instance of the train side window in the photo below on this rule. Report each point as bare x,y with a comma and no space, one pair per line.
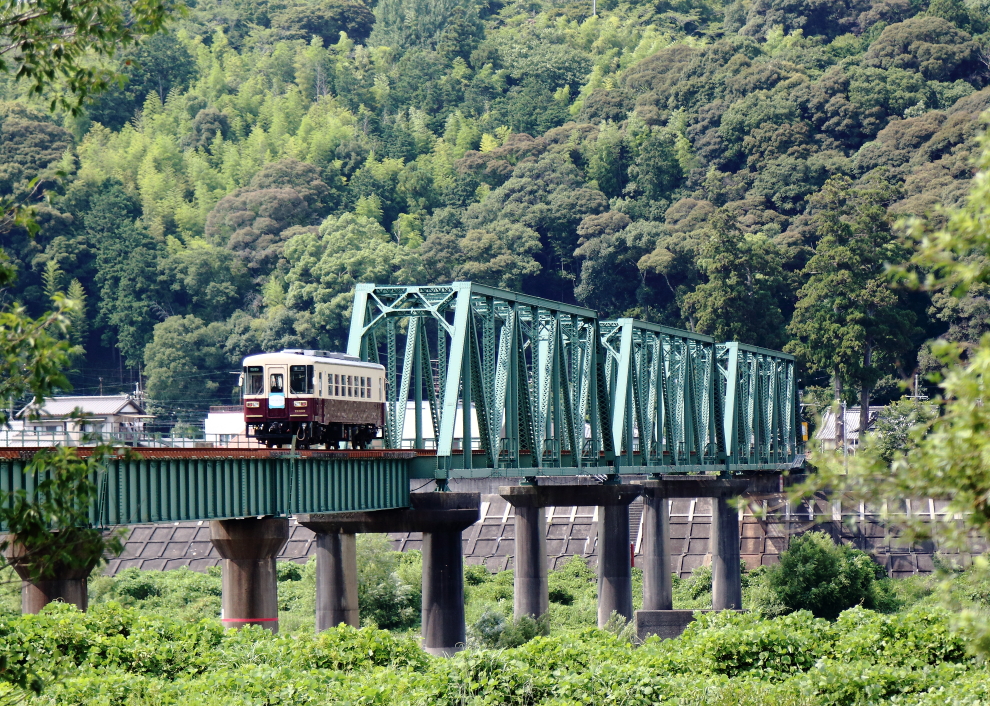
276,382
336,385
320,388
362,387
255,380
350,387
379,389
297,379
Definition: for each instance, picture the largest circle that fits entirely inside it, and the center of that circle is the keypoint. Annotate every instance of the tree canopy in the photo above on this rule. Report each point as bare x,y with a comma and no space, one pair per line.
719,166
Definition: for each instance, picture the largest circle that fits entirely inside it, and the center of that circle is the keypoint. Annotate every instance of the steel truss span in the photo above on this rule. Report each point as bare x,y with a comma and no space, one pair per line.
556,391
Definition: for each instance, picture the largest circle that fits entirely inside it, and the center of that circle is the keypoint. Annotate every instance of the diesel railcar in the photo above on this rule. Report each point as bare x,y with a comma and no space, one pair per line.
317,397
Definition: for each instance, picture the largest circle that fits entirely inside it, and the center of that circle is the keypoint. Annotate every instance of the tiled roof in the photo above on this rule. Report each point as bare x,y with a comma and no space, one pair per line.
93,405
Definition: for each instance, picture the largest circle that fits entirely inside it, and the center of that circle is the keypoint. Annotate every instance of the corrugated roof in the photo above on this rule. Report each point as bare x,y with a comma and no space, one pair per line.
827,430
93,405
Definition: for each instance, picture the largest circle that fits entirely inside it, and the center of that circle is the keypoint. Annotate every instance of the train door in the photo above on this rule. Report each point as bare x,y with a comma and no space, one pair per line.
276,391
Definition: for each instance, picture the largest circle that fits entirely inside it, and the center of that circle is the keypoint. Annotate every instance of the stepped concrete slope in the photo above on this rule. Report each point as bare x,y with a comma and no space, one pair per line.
767,521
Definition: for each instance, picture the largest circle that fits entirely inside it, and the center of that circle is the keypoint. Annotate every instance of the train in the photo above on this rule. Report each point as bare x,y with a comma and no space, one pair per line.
313,397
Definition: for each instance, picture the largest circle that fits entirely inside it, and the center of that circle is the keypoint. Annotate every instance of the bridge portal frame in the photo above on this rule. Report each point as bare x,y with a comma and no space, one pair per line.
534,369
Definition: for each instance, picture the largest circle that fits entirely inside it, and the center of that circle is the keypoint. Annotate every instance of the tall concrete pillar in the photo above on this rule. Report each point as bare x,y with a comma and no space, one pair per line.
441,517
336,580
443,592
614,565
250,581
530,588
43,582
726,576
657,582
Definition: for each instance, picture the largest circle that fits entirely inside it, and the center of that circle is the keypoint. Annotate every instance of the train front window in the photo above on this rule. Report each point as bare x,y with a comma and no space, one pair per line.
301,379
276,382
255,379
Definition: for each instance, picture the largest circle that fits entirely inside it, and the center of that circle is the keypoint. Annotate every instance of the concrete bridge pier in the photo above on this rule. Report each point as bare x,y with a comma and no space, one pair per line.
444,629
658,592
441,517
726,574
336,580
531,593
43,582
614,561
250,582
657,616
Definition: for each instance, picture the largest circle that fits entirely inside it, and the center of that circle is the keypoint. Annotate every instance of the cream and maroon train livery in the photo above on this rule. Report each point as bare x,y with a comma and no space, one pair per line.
316,396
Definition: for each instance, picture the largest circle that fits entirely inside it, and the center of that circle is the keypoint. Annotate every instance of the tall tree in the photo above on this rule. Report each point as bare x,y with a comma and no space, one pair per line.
49,41
127,260
740,300
849,320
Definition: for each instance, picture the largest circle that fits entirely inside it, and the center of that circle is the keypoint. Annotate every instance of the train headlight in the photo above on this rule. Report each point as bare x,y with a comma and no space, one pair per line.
299,403
253,404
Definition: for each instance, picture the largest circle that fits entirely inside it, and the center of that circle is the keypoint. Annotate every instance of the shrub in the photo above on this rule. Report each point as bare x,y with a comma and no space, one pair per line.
389,584
739,643
493,630
825,578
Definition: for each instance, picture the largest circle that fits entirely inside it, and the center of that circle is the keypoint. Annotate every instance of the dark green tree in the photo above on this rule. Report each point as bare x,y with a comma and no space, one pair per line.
826,578
186,366
156,65
850,321
127,260
741,299
45,42
325,19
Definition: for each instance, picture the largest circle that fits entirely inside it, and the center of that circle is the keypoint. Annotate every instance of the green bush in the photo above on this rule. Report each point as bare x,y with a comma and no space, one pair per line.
825,578
389,584
116,656
493,630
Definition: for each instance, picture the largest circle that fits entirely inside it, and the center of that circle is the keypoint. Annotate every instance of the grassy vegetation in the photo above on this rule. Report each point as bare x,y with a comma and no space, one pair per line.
153,637
117,655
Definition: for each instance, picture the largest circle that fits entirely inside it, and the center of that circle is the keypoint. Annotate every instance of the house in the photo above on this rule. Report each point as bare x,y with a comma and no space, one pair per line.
105,414
825,434
225,425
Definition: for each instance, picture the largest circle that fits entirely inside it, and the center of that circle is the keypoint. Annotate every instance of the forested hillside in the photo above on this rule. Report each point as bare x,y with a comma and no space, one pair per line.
733,168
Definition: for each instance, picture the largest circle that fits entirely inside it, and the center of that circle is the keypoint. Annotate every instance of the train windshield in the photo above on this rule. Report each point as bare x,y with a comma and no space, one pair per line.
276,382
301,379
255,378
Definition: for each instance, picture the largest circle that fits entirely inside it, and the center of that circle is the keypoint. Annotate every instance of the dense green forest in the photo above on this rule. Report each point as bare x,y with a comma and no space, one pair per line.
736,168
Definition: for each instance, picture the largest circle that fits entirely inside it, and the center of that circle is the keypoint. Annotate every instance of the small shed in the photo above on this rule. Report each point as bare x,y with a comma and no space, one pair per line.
105,414
825,434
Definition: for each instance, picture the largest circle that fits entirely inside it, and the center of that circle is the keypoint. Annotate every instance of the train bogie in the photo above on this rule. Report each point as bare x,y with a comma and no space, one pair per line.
313,397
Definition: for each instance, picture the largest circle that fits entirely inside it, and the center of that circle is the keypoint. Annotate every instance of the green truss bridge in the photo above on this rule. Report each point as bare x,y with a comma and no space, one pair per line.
555,390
